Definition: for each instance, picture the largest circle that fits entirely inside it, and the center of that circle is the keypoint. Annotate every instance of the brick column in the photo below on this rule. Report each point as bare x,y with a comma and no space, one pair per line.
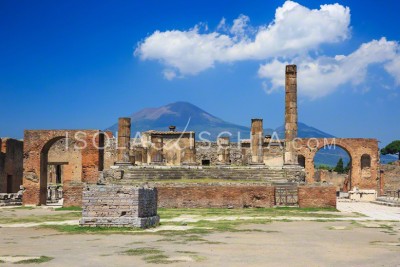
124,137
256,141
290,114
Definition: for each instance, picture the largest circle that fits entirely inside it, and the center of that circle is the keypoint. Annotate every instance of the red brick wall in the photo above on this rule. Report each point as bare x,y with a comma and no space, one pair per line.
317,196
37,141
11,158
215,196
72,194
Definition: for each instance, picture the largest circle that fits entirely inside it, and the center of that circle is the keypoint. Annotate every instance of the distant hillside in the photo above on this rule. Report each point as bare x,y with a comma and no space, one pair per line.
186,116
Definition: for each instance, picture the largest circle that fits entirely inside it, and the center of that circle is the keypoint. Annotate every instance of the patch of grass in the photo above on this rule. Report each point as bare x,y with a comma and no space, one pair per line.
166,240
141,251
150,255
76,229
43,218
286,220
74,208
198,258
388,229
306,209
359,214
23,208
35,237
193,238
158,259
42,259
135,243
186,252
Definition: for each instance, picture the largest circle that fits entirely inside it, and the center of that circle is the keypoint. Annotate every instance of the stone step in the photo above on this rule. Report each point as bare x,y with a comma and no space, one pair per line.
384,203
247,174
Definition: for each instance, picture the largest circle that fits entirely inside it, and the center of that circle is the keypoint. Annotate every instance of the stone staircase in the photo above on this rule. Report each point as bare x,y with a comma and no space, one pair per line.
245,174
387,201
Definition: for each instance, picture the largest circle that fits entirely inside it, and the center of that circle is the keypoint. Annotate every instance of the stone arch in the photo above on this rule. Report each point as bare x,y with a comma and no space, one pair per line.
36,148
355,147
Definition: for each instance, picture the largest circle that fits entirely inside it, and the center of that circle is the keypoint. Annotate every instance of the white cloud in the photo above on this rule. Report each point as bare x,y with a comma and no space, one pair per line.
323,75
169,74
240,25
393,68
294,31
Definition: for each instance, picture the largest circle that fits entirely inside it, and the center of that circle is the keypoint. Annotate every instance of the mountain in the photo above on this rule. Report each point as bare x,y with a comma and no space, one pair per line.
305,131
186,116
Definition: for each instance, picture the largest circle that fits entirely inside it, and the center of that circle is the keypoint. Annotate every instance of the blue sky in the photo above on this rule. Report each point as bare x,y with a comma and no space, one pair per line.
71,64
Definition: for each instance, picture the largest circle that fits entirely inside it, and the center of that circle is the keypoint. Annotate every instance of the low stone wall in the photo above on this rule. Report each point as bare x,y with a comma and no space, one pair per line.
119,206
12,199
215,196
317,196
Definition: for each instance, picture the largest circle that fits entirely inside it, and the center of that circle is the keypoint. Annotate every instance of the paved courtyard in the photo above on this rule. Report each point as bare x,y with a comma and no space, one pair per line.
373,211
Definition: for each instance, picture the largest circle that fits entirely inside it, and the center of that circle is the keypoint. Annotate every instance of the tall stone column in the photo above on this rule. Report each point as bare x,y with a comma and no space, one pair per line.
290,114
257,141
124,138
223,150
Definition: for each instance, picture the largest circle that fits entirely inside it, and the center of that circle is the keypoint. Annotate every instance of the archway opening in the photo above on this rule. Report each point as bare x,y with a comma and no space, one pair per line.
333,165
44,169
60,164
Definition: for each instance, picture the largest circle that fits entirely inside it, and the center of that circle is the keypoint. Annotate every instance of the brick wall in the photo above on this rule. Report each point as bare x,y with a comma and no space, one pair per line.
72,194
11,158
317,196
215,196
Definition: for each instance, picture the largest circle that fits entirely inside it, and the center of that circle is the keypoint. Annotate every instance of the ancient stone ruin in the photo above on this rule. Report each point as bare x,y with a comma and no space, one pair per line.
58,166
119,206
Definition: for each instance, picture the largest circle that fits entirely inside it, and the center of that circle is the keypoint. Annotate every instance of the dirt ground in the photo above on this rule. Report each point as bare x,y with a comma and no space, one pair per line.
273,243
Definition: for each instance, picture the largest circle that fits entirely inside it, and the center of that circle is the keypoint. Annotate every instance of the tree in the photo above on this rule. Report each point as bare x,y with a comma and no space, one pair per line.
339,166
392,148
348,167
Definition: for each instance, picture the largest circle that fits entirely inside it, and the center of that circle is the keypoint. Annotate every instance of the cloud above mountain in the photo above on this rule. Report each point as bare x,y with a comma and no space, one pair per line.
295,34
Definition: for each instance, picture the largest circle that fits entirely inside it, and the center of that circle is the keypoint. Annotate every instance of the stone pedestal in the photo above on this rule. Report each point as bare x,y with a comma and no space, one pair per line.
119,206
